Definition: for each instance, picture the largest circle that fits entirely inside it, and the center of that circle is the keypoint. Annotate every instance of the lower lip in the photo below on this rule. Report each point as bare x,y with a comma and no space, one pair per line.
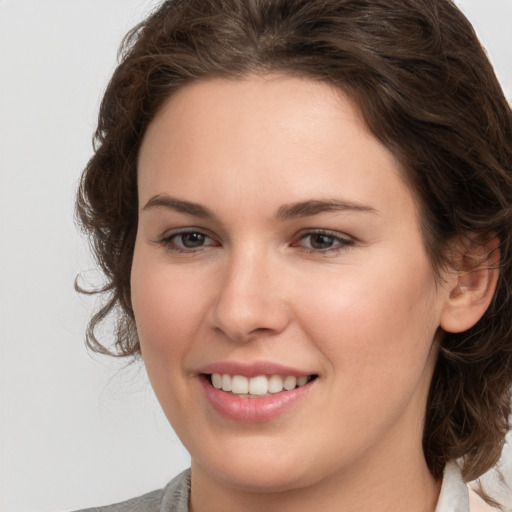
253,410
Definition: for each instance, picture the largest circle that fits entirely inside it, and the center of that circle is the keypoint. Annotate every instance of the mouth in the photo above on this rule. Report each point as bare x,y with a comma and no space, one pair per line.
257,392
258,386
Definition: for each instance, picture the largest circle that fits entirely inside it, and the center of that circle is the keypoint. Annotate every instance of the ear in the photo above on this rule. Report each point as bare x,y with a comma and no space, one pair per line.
471,282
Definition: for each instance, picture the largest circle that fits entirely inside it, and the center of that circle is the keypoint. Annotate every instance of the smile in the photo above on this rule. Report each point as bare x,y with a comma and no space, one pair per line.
255,398
261,385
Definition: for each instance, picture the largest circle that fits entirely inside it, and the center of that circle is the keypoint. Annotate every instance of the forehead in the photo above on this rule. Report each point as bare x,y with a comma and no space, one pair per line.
264,135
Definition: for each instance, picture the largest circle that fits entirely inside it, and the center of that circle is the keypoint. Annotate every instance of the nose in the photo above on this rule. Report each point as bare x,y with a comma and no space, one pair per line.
251,298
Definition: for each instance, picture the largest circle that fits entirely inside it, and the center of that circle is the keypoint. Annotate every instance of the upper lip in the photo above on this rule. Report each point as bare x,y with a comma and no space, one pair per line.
252,369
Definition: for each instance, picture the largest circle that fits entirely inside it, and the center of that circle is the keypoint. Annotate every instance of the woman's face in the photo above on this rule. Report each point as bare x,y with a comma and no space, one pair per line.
277,242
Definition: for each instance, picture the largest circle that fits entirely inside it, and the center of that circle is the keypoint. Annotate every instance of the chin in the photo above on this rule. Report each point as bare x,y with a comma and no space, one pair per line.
263,479
259,470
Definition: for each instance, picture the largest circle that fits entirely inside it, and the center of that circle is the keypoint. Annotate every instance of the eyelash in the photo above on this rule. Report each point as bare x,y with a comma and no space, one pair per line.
169,241
343,243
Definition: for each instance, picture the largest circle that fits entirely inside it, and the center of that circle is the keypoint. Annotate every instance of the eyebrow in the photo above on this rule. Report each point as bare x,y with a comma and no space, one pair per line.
288,211
179,205
315,207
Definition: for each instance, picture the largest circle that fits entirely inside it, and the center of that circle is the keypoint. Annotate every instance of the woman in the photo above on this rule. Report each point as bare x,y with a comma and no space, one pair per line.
303,210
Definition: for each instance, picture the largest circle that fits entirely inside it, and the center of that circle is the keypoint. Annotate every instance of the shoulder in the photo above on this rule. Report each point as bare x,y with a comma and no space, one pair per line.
172,498
477,504
149,502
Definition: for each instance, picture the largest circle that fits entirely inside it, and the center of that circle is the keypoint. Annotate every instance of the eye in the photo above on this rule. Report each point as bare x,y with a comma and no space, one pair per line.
323,241
188,241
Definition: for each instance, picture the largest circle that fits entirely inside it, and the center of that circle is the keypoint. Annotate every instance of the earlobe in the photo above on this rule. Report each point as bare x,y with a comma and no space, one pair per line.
472,284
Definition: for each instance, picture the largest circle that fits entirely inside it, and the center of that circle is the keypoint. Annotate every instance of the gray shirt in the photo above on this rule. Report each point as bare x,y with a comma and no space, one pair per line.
174,496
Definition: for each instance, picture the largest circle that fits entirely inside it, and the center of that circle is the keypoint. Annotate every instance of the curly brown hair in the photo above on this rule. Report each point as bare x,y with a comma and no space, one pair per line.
427,91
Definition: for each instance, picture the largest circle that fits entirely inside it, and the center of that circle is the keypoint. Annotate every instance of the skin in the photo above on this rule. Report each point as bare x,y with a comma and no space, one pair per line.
362,312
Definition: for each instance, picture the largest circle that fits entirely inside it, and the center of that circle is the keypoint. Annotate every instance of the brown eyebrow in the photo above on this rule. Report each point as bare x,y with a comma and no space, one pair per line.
285,212
179,205
314,207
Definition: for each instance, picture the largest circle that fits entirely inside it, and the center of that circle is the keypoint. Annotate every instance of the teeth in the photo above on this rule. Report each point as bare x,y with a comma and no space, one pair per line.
239,385
275,384
302,380
257,386
226,382
217,380
289,383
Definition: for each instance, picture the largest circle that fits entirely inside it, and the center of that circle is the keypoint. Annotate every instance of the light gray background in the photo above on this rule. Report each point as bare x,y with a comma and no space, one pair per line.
77,431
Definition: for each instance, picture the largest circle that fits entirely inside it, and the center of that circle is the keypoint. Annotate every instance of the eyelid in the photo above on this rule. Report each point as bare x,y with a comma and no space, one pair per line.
344,241
167,239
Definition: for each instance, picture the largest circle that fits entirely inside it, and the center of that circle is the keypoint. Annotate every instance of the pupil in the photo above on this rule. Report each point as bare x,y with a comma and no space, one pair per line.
193,239
321,241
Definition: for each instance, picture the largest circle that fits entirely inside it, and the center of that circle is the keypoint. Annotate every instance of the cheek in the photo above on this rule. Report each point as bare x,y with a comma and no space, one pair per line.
374,325
167,306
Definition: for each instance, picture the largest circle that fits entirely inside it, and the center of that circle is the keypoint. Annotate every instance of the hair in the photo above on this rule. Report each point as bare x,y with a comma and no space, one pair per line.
426,90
